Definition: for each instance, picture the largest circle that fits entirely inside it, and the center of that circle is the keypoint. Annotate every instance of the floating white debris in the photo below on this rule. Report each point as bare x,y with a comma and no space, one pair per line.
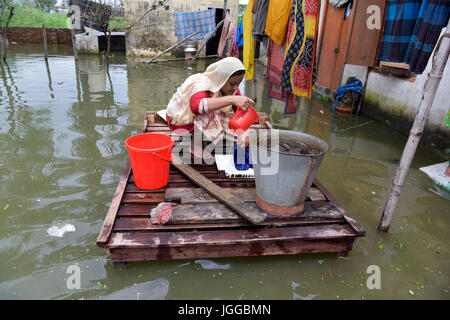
59,230
208,264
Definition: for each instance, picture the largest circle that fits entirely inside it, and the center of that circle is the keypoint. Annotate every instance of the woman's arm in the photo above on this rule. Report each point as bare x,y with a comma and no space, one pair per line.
242,102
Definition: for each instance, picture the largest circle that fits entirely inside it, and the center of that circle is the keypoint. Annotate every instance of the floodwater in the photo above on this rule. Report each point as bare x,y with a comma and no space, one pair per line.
62,133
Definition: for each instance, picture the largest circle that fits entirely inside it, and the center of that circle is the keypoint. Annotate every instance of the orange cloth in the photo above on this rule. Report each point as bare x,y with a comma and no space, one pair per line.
277,20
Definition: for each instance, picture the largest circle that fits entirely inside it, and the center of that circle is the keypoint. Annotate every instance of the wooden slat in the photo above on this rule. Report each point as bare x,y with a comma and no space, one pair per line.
254,216
224,237
143,197
198,195
296,246
218,212
145,224
108,223
394,65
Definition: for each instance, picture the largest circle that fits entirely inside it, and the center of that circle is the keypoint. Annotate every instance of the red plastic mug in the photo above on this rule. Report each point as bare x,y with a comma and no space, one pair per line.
243,119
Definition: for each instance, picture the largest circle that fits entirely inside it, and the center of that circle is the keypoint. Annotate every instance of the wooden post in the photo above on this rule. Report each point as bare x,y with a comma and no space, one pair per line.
44,36
442,53
74,44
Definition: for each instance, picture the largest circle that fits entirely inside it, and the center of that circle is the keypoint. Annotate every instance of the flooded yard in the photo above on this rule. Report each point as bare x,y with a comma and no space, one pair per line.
62,132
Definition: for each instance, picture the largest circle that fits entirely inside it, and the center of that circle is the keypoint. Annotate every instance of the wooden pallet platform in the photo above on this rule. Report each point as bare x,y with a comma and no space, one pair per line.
203,227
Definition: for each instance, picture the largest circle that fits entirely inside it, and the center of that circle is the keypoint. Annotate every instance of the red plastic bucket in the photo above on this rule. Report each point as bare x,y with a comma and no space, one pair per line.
243,119
150,156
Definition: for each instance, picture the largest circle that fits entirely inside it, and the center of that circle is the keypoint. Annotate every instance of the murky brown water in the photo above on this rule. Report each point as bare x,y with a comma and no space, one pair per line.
62,153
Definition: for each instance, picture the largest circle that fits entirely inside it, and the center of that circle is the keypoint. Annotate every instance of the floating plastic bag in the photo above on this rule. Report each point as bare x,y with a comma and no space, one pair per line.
59,230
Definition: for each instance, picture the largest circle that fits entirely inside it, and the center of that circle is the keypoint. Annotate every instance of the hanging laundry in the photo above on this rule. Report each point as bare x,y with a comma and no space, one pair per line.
187,23
433,16
259,20
234,50
411,31
227,30
249,43
277,20
298,68
275,62
240,34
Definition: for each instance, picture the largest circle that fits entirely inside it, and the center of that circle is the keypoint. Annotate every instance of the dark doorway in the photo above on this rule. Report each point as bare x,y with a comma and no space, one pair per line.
117,43
213,43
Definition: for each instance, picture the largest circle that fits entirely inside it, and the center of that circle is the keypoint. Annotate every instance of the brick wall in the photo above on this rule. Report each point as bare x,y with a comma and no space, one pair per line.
34,35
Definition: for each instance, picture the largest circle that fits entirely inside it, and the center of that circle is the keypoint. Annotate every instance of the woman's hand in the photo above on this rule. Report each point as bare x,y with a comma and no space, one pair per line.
243,102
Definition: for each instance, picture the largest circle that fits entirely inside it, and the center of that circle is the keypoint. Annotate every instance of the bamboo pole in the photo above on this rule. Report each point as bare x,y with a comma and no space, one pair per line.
44,37
189,58
435,76
174,46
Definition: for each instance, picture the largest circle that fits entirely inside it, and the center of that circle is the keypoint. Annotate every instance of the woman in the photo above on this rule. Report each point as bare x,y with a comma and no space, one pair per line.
206,100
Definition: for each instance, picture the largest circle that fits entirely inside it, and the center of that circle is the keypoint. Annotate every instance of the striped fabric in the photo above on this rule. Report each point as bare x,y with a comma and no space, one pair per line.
187,23
411,30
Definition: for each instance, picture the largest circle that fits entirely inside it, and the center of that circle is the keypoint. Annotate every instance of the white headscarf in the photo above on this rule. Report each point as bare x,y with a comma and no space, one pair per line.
213,79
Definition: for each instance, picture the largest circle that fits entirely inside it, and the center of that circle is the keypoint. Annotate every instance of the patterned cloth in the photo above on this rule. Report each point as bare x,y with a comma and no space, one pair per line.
298,68
273,74
411,30
187,23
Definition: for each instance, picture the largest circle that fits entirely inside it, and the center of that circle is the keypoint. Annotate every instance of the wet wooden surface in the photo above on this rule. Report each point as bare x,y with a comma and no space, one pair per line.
203,227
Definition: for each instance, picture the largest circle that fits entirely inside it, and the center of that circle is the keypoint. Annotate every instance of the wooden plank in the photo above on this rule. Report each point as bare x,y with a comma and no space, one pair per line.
218,212
148,197
394,65
230,200
297,246
352,221
145,224
198,195
228,237
364,41
113,208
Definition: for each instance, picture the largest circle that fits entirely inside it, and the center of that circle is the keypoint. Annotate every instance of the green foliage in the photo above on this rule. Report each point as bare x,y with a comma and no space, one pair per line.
5,6
45,5
35,17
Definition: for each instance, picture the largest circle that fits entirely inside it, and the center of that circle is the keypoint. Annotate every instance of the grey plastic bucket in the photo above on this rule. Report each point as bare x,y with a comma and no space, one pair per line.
283,191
